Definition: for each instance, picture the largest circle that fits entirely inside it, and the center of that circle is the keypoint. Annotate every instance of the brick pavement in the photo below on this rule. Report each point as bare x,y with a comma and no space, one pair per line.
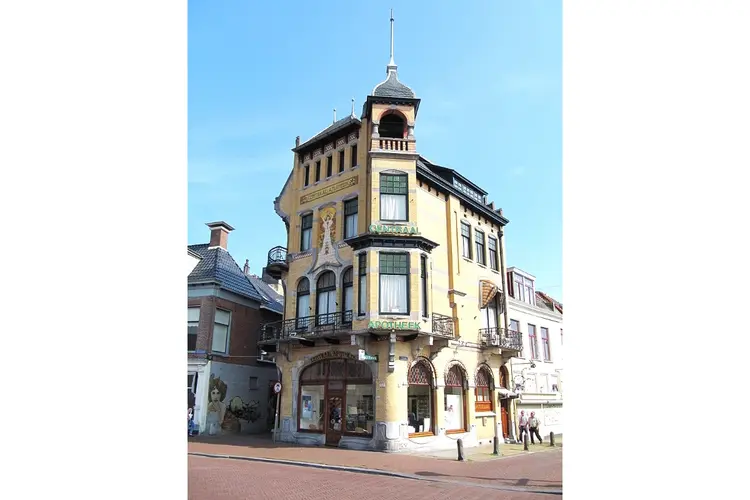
537,470
221,479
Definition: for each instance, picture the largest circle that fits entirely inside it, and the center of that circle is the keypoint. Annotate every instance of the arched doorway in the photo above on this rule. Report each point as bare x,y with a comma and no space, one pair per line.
335,399
504,403
420,400
455,400
483,391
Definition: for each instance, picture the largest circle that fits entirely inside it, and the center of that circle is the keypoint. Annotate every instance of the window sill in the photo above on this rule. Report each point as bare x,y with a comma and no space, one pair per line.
421,435
310,431
395,222
548,361
480,414
467,259
456,431
391,314
483,266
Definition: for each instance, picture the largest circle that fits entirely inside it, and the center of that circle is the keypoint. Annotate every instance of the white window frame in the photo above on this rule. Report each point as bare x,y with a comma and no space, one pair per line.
229,329
197,324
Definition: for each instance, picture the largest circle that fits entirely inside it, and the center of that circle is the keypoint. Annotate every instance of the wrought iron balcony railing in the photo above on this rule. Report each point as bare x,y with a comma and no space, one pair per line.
500,337
442,325
277,255
306,327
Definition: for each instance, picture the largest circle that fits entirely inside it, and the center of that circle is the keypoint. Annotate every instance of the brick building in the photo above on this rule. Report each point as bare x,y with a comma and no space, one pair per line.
227,373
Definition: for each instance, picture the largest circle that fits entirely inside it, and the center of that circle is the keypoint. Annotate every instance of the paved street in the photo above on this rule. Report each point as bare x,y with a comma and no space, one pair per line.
216,478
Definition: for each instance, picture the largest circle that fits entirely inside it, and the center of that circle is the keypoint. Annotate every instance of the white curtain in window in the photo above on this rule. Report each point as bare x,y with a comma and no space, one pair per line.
194,314
351,226
483,315
363,294
306,239
222,317
348,298
393,293
303,306
219,341
393,207
326,304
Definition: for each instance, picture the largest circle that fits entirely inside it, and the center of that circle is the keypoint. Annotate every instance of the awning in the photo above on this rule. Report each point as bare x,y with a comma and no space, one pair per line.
488,290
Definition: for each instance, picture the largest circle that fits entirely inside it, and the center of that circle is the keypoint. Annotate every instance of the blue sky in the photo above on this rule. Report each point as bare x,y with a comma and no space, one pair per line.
489,74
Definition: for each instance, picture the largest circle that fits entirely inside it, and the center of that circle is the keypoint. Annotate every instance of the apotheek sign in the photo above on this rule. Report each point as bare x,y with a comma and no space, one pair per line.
394,325
388,229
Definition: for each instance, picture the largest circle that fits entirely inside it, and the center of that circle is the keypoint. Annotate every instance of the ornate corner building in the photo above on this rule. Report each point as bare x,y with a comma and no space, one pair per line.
395,333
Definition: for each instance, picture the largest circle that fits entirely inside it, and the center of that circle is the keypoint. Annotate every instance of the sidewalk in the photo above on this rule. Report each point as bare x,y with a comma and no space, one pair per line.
540,467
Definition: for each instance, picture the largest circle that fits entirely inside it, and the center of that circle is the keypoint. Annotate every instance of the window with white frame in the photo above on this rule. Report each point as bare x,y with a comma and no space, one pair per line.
541,382
194,316
193,382
221,331
523,289
466,240
479,241
362,272
306,235
351,207
394,192
492,246
394,283
545,344
554,383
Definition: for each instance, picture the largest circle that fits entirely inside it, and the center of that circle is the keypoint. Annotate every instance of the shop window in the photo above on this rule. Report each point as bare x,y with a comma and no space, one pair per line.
455,400
420,400
483,391
345,382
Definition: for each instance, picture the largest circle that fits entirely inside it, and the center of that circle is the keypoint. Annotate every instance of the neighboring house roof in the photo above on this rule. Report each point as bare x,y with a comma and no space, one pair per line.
546,302
194,254
218,266
271,299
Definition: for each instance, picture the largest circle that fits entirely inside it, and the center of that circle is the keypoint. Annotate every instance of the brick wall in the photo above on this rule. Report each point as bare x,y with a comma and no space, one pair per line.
244,329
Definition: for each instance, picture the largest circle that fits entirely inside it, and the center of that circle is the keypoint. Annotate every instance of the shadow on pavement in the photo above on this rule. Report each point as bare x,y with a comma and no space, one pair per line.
510,481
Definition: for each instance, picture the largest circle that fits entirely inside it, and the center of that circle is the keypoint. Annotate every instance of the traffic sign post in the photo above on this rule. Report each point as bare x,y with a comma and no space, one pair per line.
277,391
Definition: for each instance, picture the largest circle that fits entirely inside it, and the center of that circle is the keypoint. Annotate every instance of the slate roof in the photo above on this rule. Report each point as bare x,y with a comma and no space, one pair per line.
271,299
335,127
546,302
392,87
218,266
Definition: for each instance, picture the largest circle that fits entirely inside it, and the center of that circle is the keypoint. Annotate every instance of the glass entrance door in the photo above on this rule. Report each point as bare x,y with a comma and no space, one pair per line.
334,419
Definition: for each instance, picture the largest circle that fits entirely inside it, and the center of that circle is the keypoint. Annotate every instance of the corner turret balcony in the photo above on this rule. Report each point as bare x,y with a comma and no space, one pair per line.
394,144
277,263
500,338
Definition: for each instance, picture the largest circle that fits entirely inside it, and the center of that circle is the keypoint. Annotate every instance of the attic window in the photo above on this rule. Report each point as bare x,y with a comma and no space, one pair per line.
468,191
392,125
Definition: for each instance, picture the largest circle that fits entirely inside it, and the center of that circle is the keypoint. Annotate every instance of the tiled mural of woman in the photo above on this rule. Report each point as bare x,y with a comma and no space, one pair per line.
217,391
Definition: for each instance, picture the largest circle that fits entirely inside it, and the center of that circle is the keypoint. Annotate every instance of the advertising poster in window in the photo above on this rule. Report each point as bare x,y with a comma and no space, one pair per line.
307,407
453,411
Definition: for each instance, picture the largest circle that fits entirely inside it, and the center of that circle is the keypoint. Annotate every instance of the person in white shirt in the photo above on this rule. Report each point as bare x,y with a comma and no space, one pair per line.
523,425
534,428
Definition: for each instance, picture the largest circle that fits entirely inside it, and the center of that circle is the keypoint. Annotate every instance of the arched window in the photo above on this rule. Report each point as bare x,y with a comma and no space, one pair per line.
348,285
420,399
392,125
455,400
483,391
303,303
336,397
326,290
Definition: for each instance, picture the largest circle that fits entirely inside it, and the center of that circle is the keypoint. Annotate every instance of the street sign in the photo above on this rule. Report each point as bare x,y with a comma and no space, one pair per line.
363,356
277,387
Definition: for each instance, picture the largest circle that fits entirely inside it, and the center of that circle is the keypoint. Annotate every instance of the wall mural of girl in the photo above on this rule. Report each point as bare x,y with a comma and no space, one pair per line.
217,391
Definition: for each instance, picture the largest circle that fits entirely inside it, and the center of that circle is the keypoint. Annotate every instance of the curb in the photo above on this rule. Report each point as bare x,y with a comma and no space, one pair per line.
376,472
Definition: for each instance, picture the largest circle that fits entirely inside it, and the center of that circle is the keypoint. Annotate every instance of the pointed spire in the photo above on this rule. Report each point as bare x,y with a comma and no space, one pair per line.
353,115
391,64
246,269
334,115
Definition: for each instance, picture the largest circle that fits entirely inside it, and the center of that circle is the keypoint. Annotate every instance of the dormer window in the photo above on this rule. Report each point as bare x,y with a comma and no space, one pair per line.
392,125
468,191
523,289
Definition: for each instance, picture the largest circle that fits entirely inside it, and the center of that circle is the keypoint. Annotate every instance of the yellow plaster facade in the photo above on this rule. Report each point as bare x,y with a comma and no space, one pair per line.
442,326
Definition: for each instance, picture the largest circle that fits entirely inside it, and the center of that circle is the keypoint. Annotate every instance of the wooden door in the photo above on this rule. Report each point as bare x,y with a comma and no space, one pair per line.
504,417
334,418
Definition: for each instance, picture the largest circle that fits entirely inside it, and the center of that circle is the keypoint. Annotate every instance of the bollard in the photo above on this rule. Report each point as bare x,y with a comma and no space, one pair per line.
496,446
552,439
460,443
525,442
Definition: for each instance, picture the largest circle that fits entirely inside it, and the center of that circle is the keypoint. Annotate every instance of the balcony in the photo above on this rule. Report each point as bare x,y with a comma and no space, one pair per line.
393,144
277,263
307,328
509,340
442,326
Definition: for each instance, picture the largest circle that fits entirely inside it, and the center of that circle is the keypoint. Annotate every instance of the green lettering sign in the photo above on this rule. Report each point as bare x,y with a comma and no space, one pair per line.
391,229
394,325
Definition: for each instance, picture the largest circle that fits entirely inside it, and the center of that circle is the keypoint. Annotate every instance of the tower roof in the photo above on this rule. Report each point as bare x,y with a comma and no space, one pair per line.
392,87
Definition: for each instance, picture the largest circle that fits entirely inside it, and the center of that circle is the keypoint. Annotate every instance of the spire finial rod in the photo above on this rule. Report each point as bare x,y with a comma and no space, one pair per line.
353,107
334,115
391,63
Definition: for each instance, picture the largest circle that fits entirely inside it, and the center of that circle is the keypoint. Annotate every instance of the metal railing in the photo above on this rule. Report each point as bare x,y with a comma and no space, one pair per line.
442,325
305,327
277,255
500,337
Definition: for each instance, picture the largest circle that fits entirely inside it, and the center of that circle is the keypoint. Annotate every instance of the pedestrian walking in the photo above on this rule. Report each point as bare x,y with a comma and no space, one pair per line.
534,428
523,425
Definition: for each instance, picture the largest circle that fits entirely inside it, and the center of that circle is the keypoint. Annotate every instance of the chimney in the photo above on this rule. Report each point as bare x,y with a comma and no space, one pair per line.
246,269
296,141
219,234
